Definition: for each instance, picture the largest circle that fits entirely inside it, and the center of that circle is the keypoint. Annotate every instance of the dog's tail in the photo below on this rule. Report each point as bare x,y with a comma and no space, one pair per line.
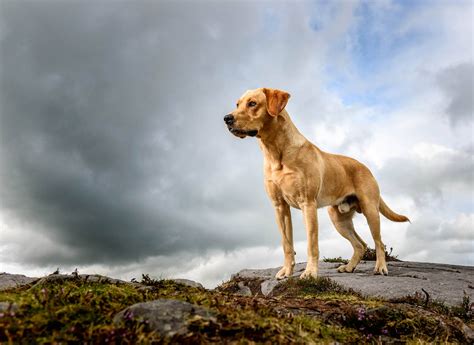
389,214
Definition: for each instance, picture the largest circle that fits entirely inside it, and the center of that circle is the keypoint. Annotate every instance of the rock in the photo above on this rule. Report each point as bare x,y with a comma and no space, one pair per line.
85,277
8,307
445,283
268,285
189,282
165,316
243,290
8,281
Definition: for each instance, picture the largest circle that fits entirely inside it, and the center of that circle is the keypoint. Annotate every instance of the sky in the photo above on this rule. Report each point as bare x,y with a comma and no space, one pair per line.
114,158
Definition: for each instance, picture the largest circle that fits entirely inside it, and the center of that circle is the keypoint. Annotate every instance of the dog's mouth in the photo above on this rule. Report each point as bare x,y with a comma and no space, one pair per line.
241,133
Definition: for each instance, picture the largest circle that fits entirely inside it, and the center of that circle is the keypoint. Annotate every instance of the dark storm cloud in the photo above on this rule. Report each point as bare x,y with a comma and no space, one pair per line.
457,83
111,127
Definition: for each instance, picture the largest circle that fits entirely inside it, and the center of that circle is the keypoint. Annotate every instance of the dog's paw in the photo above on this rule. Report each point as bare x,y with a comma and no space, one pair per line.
312,272
345,269
381,269
285,272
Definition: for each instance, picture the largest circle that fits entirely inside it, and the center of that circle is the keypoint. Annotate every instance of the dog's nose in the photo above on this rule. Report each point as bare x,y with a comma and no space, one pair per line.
229,119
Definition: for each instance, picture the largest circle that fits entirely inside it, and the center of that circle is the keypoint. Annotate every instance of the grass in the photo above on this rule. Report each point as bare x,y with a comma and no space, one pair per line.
369,255
301,311
336,260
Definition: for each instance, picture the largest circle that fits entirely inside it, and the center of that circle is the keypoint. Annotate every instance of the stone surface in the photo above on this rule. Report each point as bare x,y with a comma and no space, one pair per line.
243,290
8,280
446,283
84,277
268,285
189,282
165,316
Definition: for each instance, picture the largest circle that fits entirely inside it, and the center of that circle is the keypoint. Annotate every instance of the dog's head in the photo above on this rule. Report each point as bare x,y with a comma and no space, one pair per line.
254,109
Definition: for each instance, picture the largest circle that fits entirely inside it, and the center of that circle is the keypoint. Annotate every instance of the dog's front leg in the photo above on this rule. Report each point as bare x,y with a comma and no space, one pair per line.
311,223
283,218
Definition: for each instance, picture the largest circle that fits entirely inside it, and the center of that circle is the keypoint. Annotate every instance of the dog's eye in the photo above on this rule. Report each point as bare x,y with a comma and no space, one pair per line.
252,104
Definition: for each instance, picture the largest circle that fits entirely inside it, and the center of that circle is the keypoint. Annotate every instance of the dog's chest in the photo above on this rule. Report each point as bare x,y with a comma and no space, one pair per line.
289,184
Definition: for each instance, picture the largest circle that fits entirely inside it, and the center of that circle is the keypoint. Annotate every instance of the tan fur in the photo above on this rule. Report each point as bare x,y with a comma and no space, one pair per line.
300,175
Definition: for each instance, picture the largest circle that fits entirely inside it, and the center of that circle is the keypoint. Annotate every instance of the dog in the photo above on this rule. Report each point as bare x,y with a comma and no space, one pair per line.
298,174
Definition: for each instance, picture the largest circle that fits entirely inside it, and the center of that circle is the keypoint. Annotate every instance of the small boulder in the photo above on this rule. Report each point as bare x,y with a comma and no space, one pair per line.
189,282
243,290
268,285
165,316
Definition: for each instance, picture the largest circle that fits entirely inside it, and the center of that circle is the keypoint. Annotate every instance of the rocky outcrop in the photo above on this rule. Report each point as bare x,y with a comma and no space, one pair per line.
8,280
252,307
444,283
441,282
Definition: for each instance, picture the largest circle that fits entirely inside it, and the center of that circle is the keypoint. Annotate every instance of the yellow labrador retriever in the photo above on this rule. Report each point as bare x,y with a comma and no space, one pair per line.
300,175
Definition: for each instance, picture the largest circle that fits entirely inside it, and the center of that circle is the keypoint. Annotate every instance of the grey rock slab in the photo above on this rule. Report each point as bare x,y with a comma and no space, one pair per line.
446,283
8,280
189,282
165,316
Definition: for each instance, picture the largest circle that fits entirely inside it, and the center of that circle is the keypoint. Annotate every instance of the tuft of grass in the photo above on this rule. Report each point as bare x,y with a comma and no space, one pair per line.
147,281
464,310
312,287
371,255
336,260
320,285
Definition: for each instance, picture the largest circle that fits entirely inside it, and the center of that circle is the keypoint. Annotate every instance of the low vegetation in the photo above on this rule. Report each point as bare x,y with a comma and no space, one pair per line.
336,260
369,255
298,311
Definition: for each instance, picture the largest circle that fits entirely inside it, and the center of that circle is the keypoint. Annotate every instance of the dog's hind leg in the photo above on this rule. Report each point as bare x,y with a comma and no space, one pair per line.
370,209
344,225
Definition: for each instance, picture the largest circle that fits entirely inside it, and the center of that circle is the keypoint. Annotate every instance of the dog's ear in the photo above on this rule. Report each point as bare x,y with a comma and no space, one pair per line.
276,100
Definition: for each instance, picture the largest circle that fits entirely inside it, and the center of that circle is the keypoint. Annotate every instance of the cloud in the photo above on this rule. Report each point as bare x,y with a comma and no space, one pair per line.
438,239
429,173
457,83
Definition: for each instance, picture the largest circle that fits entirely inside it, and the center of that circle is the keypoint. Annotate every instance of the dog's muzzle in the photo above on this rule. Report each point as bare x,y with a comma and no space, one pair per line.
229,120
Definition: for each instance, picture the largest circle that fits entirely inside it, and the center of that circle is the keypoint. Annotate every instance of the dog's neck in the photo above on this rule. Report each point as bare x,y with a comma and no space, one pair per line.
280,139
